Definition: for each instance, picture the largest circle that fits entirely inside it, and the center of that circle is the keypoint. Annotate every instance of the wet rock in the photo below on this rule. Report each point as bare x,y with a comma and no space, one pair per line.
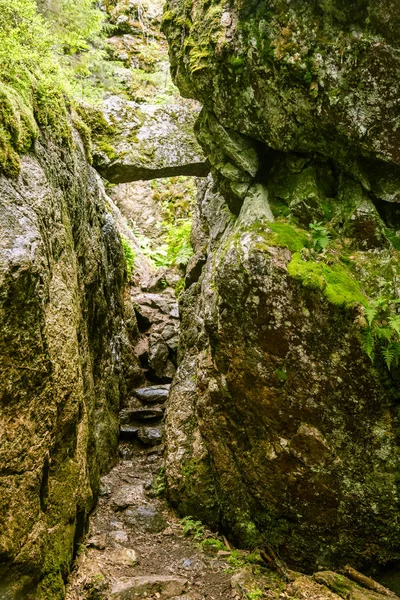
194,268
126,496
128,432
135,587
151,436
60,305
123,556
170,334
157,394
145,518
126,451
97,541
158,354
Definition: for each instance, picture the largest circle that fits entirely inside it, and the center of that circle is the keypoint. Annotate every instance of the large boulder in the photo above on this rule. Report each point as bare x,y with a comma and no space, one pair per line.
307,77
279,428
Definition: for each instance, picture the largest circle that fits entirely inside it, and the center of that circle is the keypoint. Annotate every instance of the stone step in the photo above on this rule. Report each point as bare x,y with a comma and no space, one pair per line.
128,432
150,436
162,586
141,414
155,394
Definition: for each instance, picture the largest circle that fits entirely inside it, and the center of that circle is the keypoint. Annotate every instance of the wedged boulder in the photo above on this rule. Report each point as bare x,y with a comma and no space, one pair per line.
144,141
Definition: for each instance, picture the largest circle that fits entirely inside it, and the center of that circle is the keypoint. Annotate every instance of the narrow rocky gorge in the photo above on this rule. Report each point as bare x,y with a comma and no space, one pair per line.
199,301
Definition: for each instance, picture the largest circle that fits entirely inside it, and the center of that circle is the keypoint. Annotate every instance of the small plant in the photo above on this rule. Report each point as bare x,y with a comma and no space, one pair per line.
255,594
129,256
320,236
159,484
382,329
192,528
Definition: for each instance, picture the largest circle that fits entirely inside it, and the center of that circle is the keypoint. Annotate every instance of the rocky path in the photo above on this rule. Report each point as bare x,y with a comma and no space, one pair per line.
135,547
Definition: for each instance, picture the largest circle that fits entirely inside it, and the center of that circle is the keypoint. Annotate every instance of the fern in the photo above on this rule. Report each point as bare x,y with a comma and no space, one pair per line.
394,322
388,354
368,343
370,314
382,329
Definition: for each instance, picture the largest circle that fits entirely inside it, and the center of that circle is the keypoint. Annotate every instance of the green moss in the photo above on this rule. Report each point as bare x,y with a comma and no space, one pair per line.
335,282
106,147
85,135
289,237
129,256
18,129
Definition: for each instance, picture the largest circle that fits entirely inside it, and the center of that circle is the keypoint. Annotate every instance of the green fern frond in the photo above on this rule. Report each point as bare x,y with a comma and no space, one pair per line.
394,322
370,314
388,354
368,343
383,333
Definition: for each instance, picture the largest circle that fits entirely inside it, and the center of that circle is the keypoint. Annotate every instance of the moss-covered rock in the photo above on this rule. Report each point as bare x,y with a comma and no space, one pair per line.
62,353
279,428
305,77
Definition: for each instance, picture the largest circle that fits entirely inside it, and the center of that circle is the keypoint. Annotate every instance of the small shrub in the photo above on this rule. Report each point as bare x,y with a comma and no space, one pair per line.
320,236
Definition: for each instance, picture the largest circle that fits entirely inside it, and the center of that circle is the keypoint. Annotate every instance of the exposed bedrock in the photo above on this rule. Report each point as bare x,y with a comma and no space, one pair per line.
66,360
280,429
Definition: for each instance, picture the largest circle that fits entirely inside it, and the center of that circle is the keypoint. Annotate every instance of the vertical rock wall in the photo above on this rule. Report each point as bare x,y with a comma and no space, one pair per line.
63,347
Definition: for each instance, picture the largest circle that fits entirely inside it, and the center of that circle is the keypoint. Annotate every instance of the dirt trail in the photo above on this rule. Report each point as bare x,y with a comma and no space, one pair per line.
135,547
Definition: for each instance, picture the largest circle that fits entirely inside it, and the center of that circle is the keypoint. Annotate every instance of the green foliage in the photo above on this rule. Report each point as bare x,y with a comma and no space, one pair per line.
74,23
382,330
213,545
255,594
158,485
178,242
192,528
30,89
129,256
320,236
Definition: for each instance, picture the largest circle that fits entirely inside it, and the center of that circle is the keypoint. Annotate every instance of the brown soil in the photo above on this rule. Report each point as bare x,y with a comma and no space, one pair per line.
101,564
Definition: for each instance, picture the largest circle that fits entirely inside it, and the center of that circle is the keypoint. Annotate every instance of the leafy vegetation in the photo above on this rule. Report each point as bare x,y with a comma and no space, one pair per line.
382,330
320,236
192,528
30,90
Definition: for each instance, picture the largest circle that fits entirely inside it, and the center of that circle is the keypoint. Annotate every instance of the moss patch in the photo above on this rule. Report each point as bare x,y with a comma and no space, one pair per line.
335,281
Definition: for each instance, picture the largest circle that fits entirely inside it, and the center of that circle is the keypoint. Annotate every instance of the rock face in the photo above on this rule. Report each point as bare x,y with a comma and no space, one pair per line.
315,77
279,428
62,355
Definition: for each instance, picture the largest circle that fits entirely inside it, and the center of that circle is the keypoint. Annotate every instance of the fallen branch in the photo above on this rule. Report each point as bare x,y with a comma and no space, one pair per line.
366,582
